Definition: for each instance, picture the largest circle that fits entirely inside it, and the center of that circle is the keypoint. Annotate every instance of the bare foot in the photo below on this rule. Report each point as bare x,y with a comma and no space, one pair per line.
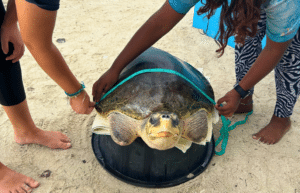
51,139
274,131
245,106
11,181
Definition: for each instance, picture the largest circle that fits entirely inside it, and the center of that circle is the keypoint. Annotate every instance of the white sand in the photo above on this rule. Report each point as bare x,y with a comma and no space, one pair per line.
95,32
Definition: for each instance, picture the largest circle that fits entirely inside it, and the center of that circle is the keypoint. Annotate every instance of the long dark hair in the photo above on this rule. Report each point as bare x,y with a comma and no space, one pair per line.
238,19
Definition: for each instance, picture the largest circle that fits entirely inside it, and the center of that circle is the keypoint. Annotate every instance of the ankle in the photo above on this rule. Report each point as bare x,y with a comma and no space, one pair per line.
283,120
25,131
26,136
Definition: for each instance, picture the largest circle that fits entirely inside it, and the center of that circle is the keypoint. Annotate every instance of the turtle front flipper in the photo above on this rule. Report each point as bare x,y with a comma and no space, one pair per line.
198,127
123,128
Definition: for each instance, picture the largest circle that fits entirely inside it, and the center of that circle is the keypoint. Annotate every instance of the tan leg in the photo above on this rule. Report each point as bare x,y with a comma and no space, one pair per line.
26,132
36,27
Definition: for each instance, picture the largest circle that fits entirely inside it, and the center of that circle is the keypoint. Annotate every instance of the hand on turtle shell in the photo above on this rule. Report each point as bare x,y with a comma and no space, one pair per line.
102,85
12,34
232,100
82,104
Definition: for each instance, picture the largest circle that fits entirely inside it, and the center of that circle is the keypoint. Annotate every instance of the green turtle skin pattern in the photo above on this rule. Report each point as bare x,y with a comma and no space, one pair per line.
152,92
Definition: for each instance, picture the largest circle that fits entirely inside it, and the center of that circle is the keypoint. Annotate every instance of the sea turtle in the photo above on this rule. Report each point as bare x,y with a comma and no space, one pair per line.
162,108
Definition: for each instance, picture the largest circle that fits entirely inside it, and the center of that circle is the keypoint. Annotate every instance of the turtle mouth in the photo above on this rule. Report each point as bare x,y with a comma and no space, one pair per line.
162,134
162,140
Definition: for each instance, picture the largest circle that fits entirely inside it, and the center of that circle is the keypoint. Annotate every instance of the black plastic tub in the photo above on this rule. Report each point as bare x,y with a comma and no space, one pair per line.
140,165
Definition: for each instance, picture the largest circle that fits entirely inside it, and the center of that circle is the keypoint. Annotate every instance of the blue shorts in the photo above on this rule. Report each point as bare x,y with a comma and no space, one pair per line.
50,5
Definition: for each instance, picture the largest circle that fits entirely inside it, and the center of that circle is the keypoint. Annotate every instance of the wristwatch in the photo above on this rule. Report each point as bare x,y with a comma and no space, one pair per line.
241,91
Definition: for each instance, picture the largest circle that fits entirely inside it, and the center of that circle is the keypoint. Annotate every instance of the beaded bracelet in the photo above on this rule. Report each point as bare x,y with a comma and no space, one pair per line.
76,93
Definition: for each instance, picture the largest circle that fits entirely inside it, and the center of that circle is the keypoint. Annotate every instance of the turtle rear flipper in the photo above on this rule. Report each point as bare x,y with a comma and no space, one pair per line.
123,128
198,127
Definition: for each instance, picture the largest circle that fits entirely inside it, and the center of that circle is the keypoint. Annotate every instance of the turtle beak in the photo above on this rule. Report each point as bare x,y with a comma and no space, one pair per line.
166,129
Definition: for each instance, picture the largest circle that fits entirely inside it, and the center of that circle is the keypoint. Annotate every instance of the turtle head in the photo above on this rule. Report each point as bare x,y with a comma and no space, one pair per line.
162,130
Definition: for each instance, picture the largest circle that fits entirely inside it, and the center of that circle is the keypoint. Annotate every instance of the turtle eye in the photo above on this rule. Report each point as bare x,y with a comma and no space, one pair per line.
175,122
154,121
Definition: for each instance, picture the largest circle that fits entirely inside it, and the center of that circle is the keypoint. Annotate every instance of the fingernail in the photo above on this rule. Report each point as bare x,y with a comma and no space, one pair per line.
69,144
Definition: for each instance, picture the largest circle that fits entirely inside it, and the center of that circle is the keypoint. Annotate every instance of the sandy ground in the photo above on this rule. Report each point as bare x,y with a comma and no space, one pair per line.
95,32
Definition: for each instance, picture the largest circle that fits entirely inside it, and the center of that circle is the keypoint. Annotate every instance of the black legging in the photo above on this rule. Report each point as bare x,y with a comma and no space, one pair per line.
11,85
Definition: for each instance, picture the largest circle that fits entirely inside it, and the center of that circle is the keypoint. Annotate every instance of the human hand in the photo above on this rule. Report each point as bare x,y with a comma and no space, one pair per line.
102,85
12,34
232,99
82,104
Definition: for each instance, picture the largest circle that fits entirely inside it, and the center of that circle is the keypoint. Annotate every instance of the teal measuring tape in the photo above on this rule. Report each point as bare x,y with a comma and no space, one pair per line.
224,132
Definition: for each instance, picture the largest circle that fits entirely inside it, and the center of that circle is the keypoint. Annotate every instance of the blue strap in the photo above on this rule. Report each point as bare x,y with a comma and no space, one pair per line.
155,70
224,132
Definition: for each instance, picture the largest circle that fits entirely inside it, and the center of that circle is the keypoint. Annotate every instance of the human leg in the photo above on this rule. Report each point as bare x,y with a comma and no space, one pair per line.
36,26
287,78
245,56
12,97
12,93
26,132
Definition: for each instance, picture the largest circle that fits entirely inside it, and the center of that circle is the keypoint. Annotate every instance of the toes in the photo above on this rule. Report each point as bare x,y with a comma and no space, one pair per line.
32,183
63,145
268,141
256,136
64,138
274,141
21,190
26,188
262,139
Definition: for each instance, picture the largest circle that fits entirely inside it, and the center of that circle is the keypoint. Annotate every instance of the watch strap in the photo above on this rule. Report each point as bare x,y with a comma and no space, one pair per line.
241,91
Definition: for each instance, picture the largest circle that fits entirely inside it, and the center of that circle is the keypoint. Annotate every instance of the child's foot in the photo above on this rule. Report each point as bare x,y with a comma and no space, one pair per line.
51,139
274,131
11,181
246,105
